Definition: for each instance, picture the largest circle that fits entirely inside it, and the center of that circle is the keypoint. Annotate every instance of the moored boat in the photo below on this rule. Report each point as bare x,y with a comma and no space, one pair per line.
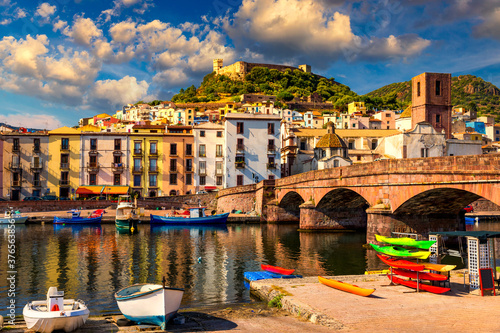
196,216
149,303
55,313
419,275
77,219
126,214
12,216
399,263
421,286
406,241
398,251
277,269
351,288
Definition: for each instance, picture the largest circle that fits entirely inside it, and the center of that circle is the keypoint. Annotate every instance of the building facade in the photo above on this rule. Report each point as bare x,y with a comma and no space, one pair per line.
209,156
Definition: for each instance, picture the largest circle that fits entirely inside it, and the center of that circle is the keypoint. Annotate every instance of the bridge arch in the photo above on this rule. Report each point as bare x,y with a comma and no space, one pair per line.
291,203
342,197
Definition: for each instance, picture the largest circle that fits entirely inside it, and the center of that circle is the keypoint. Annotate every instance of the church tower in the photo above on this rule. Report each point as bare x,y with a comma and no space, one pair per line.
431,101
217,65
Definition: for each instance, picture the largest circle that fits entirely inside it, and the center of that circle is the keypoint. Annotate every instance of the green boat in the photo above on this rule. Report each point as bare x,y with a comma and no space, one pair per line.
397,251
405,241
126,216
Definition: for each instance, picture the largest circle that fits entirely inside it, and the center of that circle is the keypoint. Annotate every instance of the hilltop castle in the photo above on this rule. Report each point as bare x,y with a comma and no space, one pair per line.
240,69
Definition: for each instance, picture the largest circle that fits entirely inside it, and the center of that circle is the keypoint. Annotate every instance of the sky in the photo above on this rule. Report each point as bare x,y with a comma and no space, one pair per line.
63,60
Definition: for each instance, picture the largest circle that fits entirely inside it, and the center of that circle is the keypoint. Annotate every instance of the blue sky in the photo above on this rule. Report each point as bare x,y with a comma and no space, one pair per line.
67,59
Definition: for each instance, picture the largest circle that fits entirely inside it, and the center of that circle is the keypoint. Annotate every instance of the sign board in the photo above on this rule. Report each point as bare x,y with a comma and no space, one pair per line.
486,280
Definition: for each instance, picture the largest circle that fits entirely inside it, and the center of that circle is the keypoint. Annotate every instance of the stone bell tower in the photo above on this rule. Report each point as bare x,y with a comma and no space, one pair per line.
217,65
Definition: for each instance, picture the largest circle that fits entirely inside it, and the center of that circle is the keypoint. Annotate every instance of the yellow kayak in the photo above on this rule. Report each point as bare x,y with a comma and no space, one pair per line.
382,271
351,288
438,267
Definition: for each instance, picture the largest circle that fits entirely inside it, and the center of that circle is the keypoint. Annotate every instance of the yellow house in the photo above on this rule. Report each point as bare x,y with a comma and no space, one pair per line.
89,128
356,107
63,162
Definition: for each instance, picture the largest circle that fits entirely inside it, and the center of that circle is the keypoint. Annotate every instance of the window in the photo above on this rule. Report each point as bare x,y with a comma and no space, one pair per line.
153,165
335,163
92,179
173,149
118,144
64,161
189,179
173,179
438,118
438,88
93,160
202,134
202,152
270,128
240,161
137,147
351,145
424,152
173,165
153,147
239,128
203,168
219,181
418,89
219,134
218,150
302,145
93,144
15,144
117,159
189,149
137,164
374,144
218,168
239,144
354,125
152,180
117,179
203,180
64,143
36,179
388,115
137,180
239,180
270,161
36,144
189,165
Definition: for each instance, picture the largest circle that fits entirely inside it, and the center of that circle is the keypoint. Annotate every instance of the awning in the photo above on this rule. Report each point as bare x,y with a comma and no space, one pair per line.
210,188
115,189
90,189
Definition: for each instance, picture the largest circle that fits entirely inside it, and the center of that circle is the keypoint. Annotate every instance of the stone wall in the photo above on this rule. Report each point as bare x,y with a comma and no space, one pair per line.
483,205
264,193
236,198
312,218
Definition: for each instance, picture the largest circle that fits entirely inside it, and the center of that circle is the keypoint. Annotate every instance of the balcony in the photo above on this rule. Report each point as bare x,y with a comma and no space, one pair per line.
93,151
14,166
189,169
137,169
16,183
154,169
36,149
64,182
271,165
138,151
37,183
240,147
65,148
64,166
117,167
93,167
271,149
117,152
16,148
240,165
218,172
153,152
203,172
36,165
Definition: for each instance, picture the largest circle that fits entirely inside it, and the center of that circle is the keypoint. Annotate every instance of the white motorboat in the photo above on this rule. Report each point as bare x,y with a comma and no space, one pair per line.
55,313
12,216
149,303
126,214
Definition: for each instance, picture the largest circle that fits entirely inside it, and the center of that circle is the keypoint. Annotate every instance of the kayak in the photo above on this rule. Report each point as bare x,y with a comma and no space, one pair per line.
421,286
379,272
401,251
406,241
351,288
399,263
276,269
438,267
421,275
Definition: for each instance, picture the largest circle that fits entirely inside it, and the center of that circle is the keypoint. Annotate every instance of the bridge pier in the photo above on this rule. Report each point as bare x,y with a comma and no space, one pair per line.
382,222
277,214
313,218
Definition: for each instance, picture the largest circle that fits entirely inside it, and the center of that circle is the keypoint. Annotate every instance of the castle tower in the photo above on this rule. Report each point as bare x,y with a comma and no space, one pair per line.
305,68
431,101
217,65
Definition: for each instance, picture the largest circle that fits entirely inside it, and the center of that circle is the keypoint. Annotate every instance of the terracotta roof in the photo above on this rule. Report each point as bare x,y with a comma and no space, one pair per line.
319,132
331,140
406,113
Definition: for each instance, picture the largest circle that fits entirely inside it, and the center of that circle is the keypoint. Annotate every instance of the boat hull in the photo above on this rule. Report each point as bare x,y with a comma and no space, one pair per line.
17,220
351,288
406,241
126,223
77,220
438,267
47,322
421,286
398,263
401,252
420,276
276,269
149,304
214,219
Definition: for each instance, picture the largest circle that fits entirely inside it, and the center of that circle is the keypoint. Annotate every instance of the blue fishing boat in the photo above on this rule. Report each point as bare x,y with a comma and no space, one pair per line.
75,218
196,216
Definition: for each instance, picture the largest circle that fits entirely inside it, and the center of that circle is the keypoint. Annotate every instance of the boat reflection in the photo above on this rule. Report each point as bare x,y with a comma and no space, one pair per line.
77,229
193,229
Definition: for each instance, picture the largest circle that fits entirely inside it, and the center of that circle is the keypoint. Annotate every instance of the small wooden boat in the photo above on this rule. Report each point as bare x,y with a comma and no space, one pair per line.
401,252
420,276
406,241
399,263
77,219
351,288
196,216
12,216
421,286
55,313
149,303
276,269
126,214
438,267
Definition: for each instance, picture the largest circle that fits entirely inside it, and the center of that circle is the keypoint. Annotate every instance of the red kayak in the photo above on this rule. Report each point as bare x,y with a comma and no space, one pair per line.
421,275
276,269
399,263
421,286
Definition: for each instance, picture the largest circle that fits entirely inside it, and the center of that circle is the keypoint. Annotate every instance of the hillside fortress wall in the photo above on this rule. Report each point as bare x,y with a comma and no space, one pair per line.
240,69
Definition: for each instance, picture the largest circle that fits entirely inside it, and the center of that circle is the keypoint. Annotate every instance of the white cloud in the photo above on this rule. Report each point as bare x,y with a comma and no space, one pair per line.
123,32
59,25
490,27
22,57
402,46
173,77
20,13
84,31
45,10
39,121
5,21
4,3
118,92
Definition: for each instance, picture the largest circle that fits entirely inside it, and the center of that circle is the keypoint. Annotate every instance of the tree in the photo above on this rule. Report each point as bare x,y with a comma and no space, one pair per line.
285,96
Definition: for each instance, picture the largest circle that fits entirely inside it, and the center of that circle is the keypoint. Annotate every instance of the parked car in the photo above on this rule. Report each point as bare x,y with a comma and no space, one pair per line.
202,192
32,199
469,209
49,197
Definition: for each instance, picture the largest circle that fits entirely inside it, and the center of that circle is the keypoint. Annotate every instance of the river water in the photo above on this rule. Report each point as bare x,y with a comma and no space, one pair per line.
92,263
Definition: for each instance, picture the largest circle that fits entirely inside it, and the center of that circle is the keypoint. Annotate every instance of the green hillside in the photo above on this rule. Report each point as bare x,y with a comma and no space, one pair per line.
467,91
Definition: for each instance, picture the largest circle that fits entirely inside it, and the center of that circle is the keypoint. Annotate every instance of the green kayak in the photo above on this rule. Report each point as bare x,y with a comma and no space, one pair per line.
405,241
397,251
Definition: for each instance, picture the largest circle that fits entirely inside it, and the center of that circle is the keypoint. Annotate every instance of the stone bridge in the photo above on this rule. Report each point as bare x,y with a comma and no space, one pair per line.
408,195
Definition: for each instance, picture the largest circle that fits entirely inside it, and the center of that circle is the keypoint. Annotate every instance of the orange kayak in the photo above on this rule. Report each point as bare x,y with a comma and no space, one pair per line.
351,288
276,269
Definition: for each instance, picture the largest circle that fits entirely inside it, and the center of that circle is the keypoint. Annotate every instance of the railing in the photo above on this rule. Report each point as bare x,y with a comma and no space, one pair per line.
271,149
36,149
36,165
64,182
16,183
218,172
137,169
64,147
93,167
16,148
240,165
189,169
202,155
153,168
93,151
203,172
117,152
64,165
117,167
13,166
271,165
240,147
138,151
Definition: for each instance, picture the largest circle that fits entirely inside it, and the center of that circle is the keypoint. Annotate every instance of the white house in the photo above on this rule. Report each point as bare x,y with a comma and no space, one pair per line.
252,144
209,156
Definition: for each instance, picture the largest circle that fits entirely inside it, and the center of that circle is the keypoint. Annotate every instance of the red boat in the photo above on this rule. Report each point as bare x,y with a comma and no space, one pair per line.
421,286
399,263
421,275
276,269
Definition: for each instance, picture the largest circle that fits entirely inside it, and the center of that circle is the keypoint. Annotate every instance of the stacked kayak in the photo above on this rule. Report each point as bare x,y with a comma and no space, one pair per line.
406,241
397,251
